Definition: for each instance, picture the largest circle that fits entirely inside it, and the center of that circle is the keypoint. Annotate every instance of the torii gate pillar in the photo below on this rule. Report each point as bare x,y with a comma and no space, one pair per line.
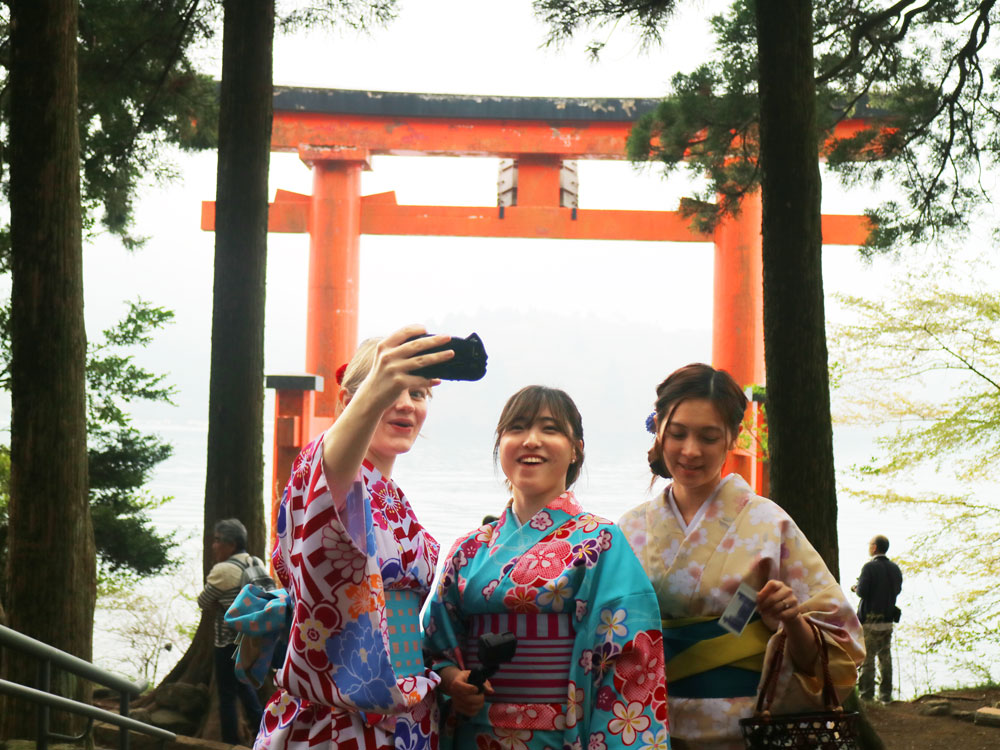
334,267
738,316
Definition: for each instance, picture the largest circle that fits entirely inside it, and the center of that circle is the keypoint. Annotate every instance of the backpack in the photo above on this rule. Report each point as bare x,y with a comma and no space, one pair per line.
254,572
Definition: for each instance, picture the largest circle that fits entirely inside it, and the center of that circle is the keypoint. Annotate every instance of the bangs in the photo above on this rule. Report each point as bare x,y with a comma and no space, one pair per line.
525,406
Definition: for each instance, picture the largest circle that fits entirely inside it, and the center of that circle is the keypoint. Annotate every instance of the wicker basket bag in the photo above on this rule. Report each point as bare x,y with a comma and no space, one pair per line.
832,729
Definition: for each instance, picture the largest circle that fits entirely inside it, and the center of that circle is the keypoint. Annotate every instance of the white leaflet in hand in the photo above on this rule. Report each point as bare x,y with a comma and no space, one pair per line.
740,609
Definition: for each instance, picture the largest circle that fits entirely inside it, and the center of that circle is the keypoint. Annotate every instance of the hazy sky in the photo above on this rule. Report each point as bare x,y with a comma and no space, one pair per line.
606,321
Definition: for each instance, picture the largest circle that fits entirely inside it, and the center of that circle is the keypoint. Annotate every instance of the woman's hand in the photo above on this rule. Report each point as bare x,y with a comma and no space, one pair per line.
346,442
778,606
395,358
465,697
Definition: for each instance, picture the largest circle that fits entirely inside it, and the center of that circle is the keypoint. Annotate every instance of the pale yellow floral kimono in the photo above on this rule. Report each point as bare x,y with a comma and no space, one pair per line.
735,536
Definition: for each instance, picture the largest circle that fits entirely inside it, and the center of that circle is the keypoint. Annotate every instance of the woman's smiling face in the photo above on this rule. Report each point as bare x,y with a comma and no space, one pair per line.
535,457
695,443
399,426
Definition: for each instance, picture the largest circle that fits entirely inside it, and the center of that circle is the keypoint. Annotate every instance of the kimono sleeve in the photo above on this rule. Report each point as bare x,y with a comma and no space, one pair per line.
825,604
619,686
443,623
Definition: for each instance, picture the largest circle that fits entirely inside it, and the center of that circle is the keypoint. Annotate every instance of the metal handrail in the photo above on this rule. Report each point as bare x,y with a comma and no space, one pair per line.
49,656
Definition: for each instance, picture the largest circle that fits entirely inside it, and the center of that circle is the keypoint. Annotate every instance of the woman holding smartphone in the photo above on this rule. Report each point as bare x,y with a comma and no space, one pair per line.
358,566
588,669
703,537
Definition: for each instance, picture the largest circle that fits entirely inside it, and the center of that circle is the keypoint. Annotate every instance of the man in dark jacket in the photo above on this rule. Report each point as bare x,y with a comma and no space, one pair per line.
878,586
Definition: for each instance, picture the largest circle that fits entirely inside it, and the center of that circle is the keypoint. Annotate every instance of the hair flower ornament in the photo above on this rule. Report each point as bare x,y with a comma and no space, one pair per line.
651,423
339,375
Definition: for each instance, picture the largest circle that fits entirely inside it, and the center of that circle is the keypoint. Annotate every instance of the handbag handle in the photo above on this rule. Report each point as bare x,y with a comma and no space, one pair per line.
773,667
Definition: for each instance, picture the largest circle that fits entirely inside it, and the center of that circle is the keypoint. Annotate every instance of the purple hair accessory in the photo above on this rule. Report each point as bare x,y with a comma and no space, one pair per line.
651,423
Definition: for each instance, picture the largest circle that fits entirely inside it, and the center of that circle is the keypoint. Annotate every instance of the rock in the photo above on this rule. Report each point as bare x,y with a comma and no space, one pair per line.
172,721
190,700
988,717
935,708
140,714
964,715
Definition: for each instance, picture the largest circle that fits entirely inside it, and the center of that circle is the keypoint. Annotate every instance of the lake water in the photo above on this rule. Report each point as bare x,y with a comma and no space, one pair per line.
452,484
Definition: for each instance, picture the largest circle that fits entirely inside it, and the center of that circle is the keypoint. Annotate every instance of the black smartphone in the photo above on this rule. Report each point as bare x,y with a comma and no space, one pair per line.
469,362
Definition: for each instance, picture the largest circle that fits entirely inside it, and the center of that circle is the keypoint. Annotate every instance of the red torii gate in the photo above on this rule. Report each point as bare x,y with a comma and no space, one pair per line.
336,132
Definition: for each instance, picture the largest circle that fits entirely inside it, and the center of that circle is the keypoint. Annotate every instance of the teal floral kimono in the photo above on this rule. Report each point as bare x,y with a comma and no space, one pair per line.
588,672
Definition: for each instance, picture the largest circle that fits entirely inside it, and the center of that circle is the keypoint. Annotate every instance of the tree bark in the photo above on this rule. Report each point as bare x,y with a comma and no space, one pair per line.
798,392
234,481
50,563
234,484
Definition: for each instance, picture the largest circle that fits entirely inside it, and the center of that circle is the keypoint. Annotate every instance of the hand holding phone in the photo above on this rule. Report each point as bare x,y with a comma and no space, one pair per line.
469,362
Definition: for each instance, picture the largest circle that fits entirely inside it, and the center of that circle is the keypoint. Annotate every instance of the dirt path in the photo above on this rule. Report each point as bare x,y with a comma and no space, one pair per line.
902,727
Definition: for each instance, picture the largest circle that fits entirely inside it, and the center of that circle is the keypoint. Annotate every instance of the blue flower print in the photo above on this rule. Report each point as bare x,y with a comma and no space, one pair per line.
392,570
282,520
363,672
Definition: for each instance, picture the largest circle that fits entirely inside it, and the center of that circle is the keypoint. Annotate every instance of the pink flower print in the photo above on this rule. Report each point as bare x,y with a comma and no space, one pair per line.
567,503
697,537
605,539
541,520
490,587
542,562
470,546
728,543
605,698
639,668
597,742
785,552
521,599
311,631
279,711
586,661
581,609
629,720
386,500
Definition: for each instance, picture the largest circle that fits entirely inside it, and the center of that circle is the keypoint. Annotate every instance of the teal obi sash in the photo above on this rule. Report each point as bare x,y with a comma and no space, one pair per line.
402,612
703,660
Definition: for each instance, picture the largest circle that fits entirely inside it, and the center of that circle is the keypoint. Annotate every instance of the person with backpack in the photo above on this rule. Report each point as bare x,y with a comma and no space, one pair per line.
234,568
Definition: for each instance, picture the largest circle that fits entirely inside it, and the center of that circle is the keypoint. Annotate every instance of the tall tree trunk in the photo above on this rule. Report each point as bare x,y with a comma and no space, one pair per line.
234,485
234,482
51,562
798,391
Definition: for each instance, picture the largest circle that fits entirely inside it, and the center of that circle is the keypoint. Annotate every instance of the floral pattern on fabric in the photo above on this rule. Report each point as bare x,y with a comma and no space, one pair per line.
337,557
579,566
696,573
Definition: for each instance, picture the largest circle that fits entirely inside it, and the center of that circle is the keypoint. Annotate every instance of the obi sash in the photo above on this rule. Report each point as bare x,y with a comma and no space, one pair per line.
703,660
402,612
539,672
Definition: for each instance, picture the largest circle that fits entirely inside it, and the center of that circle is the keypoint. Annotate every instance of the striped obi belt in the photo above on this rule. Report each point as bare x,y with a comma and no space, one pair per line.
402,612
539,672
703,660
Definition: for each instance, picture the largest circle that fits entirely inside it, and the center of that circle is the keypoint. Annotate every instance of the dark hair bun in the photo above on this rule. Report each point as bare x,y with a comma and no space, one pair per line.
656,463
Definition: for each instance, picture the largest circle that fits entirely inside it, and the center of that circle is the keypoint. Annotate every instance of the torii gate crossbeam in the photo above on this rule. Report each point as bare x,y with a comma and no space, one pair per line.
336,132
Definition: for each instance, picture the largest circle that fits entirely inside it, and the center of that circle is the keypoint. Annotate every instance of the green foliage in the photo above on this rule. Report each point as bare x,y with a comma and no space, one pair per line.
920,72
925,366
120,458
139,90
